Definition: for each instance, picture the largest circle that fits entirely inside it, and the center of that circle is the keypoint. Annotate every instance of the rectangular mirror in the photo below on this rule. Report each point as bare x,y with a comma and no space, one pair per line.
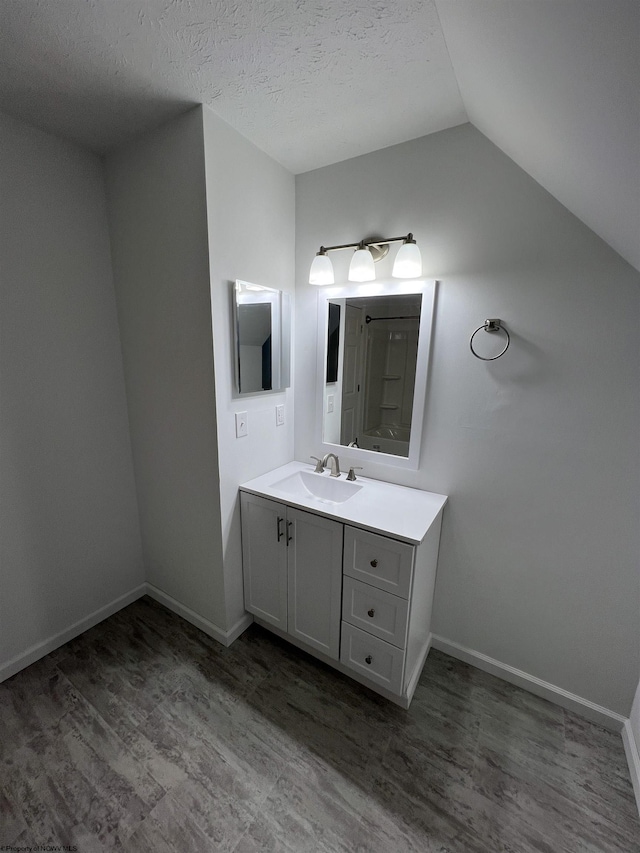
375,404
262,326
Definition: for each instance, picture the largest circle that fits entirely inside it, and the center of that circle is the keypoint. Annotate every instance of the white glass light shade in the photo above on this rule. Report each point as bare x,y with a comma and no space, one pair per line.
362,267
321,271
408,262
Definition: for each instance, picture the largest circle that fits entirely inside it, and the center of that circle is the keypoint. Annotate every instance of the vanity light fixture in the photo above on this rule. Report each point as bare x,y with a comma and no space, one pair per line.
321,271
408,262
362,266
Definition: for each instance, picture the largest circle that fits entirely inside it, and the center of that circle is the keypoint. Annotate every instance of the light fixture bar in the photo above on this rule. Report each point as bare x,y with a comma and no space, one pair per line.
408,263
376,242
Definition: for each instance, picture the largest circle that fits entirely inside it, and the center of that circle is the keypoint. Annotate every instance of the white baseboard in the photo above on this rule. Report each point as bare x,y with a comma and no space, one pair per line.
224,637
239,628
632,750
596,713
34,653
39,650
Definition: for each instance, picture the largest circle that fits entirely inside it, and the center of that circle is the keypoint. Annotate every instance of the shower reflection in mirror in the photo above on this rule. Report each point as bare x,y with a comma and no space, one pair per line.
369,398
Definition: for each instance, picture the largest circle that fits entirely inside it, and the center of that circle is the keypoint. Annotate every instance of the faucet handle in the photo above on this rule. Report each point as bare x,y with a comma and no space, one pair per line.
319,465
351,475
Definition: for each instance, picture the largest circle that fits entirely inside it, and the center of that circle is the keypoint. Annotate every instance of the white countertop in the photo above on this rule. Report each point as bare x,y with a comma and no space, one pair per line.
397,511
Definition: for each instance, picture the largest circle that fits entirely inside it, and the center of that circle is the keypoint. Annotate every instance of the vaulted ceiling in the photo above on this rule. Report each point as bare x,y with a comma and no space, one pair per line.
554,83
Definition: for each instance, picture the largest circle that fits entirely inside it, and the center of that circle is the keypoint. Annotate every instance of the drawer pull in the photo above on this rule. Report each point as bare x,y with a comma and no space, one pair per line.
369,660
374,563
371,612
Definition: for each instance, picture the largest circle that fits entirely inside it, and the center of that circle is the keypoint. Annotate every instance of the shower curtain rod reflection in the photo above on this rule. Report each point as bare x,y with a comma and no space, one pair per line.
369,319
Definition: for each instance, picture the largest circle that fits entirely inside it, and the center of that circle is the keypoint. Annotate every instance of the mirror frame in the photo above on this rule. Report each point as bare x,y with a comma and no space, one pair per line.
391,287
281,337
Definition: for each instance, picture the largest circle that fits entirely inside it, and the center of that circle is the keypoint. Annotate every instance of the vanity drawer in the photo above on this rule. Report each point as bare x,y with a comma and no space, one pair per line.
379,561
378,661
377,612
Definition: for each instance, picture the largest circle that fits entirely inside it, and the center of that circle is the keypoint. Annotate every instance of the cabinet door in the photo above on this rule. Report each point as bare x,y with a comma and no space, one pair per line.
264,558
315,580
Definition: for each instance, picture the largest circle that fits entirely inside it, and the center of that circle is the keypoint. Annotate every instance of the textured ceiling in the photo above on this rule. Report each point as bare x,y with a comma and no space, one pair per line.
309,83
553,83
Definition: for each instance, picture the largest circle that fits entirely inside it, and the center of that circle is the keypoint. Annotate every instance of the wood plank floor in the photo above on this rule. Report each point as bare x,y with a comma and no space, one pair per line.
145,735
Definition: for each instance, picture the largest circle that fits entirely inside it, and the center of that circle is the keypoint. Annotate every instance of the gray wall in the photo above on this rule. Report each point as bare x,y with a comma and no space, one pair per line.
537,451
158,222
69,535
251,217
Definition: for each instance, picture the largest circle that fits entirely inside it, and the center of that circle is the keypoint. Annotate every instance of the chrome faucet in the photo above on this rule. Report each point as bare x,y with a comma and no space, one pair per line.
335,464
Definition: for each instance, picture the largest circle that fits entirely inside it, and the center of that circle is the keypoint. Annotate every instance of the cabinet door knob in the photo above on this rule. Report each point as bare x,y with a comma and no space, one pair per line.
371,612
374,563
280,534
289,536
369,659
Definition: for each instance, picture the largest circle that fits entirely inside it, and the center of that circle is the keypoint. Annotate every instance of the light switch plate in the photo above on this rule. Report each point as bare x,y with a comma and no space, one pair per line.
280,415
329,403
241,424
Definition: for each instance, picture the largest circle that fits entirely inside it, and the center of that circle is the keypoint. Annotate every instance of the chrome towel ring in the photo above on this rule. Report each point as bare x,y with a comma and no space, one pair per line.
490,326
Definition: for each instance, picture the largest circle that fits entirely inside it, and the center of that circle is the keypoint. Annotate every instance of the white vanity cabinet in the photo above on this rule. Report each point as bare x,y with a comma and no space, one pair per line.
292,564
358,598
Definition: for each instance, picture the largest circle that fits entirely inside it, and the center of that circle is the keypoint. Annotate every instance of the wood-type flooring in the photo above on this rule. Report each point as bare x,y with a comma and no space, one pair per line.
144,734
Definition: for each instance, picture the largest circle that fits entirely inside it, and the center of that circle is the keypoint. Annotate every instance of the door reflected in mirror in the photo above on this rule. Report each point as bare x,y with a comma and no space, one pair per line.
369,401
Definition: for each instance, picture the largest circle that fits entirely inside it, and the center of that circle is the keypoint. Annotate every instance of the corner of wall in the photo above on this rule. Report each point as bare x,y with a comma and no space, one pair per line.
158,213
251,227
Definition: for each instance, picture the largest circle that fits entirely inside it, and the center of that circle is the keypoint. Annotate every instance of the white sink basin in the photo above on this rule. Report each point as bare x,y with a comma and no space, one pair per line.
383,508
321,487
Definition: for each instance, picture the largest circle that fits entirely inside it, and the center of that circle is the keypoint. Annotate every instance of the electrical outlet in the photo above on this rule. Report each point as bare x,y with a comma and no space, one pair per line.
280,415
241,424
330,403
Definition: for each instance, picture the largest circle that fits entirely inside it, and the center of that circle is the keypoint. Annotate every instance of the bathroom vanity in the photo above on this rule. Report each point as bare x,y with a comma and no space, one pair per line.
344,570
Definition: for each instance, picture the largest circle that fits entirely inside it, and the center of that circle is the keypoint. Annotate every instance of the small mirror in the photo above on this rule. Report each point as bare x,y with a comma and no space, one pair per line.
262,323
373,401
